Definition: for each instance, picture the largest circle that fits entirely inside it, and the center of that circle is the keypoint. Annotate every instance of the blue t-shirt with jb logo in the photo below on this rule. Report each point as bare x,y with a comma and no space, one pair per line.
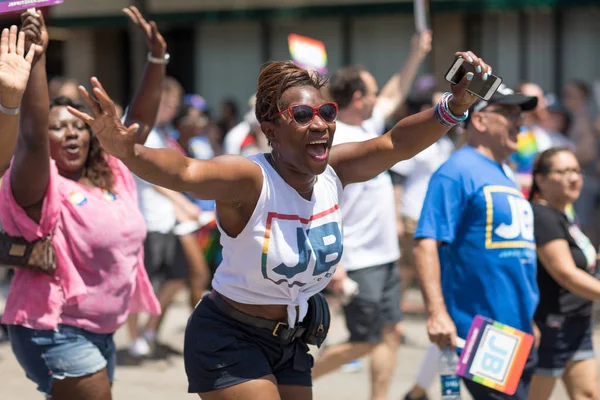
487,248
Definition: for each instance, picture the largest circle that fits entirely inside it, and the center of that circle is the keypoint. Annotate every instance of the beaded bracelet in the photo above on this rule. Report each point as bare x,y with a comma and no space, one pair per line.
446,102
444,115
440,118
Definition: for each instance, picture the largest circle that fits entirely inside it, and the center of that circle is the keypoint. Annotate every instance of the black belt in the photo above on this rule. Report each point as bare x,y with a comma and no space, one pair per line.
278,329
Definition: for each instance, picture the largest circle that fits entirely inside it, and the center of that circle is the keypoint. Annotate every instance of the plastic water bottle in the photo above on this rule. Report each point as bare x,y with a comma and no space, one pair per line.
449,380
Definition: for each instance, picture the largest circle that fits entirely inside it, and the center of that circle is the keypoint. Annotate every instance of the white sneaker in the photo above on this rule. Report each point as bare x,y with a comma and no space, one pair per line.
353,366
150,337
139,348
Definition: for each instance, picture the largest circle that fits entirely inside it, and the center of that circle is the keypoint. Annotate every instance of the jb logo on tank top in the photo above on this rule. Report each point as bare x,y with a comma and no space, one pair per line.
306,248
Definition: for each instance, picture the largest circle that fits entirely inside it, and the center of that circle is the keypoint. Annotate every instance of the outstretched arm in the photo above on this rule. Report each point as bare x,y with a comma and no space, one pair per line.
145,104
14,73
31,165
358,162
396,90
9,131
222,178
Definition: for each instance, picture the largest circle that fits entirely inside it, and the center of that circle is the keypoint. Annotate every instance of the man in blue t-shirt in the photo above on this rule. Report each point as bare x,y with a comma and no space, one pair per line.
475,249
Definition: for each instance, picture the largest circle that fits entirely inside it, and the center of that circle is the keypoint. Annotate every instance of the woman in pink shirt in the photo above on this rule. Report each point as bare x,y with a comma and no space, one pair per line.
62,184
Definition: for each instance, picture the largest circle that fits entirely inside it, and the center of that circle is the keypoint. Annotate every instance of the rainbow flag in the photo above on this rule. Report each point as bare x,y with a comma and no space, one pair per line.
308,53
527,149
209,239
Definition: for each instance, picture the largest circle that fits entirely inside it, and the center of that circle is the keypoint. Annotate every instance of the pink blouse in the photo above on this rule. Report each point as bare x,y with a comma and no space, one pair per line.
99,241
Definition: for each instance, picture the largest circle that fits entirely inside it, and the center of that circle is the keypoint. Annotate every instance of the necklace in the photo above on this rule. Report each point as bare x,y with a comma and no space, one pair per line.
271,161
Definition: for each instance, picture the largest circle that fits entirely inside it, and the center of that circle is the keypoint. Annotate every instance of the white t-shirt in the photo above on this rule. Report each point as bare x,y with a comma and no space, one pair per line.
157,209
511,174
418,171
559,140
290,247
368,208
235,137
543,139
200,148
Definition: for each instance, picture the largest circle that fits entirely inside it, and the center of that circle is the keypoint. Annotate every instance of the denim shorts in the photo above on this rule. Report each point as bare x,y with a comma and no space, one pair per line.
220,352
563,339
68,352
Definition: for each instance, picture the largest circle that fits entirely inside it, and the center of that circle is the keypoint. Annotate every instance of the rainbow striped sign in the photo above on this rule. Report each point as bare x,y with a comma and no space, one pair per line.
308,53
7,6
494,355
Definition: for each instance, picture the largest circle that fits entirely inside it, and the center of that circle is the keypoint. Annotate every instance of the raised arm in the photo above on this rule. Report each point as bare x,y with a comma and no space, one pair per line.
225,178
14,73
145,104
358,162
396,90
31,165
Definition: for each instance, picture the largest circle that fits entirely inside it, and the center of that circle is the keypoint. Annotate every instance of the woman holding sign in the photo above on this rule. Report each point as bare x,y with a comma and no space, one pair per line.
568,288
280,226
62,185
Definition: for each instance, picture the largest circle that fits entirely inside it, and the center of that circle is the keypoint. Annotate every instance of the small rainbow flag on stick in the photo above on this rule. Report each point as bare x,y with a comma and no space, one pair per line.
494,355
308,53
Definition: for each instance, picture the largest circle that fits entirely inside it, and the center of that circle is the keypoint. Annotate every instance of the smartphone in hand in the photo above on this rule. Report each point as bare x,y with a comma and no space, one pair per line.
478,87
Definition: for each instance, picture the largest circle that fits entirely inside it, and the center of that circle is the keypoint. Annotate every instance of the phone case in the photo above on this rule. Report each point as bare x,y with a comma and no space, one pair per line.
488,95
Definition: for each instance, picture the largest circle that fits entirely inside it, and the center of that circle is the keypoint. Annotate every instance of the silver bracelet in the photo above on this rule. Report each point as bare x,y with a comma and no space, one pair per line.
161,61
10,111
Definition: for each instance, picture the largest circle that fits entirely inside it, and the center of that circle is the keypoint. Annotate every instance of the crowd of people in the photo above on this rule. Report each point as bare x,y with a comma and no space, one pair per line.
322,186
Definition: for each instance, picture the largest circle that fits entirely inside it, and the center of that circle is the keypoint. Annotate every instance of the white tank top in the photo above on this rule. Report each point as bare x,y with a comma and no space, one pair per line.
289,249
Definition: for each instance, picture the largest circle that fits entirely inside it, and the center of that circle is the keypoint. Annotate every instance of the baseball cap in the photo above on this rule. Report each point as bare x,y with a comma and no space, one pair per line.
507,97
196,101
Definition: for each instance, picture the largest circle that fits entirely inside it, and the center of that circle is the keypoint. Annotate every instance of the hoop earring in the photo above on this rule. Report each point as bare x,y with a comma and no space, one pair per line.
275,154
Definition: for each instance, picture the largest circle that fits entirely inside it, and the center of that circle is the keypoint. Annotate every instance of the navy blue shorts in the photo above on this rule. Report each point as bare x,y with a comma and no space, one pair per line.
480,392
563,339
67,352
220,352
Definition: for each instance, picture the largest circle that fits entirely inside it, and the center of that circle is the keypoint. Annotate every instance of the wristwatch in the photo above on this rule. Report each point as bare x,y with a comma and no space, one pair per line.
161,61
10,111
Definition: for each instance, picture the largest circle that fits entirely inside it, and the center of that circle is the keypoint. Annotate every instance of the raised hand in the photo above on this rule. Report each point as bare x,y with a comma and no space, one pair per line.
36,32
421,44
156,43
15,67
115,138
461,99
